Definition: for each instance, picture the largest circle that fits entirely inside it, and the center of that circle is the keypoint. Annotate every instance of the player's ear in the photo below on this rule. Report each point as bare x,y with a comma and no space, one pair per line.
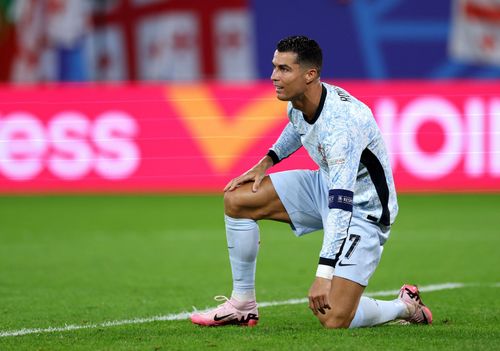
311,75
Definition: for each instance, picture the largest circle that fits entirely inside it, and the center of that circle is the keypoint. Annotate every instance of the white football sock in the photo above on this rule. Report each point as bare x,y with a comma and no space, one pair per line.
243,245
372,312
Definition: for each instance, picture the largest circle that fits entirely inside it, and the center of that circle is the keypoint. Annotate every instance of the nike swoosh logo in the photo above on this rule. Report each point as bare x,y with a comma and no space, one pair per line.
346,264
217,318
425,318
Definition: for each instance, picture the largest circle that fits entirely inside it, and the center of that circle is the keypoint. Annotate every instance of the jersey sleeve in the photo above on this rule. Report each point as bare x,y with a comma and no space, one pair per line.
343,153
288,142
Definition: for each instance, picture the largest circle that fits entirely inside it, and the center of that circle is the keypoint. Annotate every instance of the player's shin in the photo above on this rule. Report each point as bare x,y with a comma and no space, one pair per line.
243,245
373,312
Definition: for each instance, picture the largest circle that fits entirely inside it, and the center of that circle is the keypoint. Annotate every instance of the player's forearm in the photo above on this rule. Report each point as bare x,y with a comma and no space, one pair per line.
335,233
287,143
266,162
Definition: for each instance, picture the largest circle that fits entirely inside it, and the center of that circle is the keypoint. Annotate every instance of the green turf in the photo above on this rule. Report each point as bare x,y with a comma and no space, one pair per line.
90,259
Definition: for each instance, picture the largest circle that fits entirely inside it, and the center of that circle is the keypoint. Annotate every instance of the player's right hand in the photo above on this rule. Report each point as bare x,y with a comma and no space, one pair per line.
254,174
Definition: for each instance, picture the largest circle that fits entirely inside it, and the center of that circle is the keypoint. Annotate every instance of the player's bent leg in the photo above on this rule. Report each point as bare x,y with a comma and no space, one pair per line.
344,299
243,208
262,204
241,309
352,310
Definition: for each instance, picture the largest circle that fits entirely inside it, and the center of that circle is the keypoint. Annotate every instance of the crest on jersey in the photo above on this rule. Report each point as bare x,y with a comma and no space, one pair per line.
321,151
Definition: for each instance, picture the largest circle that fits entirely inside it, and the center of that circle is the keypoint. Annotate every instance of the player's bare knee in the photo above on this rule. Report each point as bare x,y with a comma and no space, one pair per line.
232,204
337,321
333,323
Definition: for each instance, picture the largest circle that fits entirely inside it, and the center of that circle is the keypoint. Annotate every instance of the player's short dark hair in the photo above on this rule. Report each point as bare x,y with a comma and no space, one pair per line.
307,50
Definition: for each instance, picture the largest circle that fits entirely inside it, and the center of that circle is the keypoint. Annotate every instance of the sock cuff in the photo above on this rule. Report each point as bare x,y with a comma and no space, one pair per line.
359,317
243,295
239,223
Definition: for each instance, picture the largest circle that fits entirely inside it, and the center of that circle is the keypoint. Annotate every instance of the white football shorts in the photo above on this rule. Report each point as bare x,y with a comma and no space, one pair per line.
304,194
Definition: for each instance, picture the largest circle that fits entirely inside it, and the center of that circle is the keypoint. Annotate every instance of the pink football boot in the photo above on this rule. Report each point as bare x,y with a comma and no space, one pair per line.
418,312
231,312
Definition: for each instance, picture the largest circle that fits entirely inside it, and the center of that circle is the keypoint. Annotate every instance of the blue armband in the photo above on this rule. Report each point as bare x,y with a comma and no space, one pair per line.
340,198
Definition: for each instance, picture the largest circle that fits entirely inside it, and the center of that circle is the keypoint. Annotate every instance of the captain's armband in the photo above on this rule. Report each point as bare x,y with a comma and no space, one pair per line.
340,198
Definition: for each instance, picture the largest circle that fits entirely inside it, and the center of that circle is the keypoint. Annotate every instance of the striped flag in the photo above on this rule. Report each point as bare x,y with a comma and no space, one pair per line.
67,21
234,45
106,56
32,61
168,47
475,34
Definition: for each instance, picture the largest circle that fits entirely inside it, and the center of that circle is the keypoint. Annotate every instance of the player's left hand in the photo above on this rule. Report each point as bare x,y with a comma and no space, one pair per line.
318,295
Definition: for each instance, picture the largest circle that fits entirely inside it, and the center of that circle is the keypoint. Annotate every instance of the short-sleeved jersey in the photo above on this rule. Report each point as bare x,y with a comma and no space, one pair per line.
345,142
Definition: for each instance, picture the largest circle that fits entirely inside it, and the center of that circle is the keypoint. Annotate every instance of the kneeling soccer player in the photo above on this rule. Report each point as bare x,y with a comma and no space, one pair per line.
351,197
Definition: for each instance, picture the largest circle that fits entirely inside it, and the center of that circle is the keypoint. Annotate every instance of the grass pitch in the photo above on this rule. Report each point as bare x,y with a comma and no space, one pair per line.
87,260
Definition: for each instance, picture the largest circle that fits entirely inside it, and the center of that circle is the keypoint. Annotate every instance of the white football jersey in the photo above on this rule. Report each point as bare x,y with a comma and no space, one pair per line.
345,142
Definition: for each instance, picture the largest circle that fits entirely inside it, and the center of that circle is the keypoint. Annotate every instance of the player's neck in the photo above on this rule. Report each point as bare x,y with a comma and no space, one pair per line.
308,102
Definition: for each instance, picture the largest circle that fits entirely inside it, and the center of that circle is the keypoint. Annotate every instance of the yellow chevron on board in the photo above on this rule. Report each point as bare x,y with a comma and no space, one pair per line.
224,140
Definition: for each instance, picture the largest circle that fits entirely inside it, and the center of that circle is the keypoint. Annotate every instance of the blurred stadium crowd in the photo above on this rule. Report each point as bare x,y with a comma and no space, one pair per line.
189,40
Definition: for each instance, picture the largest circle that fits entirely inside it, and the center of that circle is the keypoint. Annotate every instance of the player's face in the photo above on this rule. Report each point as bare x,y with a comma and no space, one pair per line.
289,78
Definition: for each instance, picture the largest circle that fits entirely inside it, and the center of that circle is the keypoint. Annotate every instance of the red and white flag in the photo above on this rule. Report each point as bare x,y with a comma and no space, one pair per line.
106,55
475,34
168,47
33,61
67,21
234,45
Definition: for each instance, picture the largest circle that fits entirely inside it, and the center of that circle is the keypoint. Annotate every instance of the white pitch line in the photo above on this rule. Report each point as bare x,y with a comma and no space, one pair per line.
185,315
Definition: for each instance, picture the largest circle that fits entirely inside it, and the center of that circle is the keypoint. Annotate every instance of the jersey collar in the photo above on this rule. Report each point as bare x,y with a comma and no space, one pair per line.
320,106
